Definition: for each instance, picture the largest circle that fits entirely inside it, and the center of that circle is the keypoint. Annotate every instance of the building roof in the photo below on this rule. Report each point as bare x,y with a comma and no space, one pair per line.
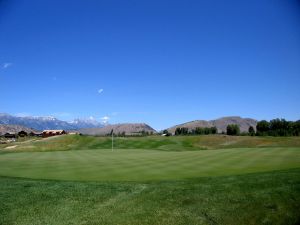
53,131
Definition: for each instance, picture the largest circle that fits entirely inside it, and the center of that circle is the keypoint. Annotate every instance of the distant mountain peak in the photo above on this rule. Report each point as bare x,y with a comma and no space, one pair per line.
50,118
48,122
89,122
31,117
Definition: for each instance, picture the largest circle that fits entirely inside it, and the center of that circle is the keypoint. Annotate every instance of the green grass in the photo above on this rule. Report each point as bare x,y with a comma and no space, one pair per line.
141,165
174,143
261,198
151,180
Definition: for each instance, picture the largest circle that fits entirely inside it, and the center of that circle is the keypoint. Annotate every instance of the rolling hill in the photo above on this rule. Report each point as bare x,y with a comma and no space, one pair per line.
14,129
220,123
128,128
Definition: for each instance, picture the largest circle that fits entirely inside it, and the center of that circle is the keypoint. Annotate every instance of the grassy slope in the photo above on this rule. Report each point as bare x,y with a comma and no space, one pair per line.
170,198
178,143
137,165
263,198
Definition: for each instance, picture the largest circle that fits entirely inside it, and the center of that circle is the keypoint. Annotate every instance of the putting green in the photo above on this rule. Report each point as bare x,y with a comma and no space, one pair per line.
144,165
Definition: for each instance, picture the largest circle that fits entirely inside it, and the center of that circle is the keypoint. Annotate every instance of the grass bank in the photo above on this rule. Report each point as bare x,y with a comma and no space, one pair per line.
174,143
259,198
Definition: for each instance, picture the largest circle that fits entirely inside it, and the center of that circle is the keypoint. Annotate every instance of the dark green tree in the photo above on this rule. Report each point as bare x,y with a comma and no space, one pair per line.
280,127
207,130
184,131
214,130
262,128
199,130
166,132
178,131
181,131
251,131
233,129
296,128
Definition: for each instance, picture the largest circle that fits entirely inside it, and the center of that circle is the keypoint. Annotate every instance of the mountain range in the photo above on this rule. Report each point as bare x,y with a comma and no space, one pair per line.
48,122
221,124
93,127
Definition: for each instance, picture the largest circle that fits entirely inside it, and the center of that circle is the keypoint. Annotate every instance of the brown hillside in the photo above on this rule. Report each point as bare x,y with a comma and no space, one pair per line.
14,129
128,128
220,123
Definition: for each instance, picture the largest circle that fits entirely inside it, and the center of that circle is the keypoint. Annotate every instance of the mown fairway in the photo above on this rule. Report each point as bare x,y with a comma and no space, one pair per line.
151,180
145,165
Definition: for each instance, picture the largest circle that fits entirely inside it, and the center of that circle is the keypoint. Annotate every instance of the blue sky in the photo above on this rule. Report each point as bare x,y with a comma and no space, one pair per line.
159,62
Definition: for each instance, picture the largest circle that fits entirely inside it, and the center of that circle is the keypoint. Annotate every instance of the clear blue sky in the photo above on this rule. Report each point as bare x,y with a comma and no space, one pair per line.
159,62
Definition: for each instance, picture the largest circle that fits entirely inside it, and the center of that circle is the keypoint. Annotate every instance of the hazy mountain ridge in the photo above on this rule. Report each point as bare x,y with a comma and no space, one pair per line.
86,123
128,128
220,123
93,127
14,129
48,122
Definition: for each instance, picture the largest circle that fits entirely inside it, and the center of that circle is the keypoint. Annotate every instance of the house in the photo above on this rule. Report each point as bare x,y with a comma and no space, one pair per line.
22,133
10,135
35,134
49,133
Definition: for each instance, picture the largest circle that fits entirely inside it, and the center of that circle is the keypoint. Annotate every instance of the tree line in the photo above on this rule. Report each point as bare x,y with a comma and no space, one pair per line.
196,131
278,127
275,127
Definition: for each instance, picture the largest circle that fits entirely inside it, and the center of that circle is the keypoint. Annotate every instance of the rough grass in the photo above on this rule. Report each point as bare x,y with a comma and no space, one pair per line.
174,143
261,198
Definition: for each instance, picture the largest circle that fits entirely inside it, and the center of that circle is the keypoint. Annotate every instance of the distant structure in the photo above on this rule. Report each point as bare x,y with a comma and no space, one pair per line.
22,133
10,135
36,134
49,133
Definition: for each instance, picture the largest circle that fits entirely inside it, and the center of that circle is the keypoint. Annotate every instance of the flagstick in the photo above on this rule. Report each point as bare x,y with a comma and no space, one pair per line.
112,142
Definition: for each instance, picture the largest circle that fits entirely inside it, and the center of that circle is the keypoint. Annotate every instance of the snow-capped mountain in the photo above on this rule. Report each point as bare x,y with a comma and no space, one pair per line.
90,122
48,122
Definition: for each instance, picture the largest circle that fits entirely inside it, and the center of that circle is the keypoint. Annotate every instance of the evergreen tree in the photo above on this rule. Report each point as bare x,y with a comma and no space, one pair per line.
251,131
233,129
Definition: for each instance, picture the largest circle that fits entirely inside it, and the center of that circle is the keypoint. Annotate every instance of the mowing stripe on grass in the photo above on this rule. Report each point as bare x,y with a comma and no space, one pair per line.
135,165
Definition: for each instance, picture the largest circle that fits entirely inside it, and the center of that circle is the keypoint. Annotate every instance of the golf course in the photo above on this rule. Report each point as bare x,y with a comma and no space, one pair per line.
214,179
150,112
